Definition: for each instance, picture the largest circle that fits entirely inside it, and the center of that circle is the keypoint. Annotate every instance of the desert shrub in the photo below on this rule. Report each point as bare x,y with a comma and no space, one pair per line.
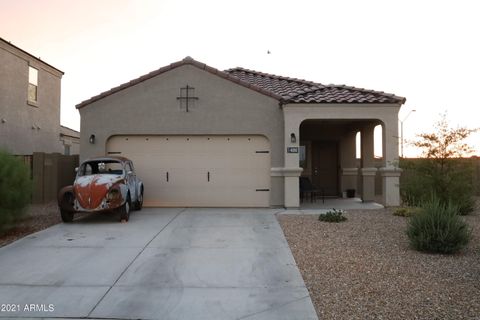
15,190
332,216
406,211
449,179
438,228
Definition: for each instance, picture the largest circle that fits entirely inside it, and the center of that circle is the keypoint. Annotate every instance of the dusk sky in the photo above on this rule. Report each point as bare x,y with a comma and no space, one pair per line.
426,51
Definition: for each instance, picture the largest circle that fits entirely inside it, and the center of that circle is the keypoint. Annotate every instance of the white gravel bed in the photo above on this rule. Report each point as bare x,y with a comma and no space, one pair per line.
363,268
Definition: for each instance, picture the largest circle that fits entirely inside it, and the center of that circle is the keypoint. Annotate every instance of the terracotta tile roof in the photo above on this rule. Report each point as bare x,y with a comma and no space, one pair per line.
66,131
283,89
301,91
186,61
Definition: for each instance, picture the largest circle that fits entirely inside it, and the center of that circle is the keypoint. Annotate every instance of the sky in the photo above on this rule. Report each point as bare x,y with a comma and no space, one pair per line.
427,51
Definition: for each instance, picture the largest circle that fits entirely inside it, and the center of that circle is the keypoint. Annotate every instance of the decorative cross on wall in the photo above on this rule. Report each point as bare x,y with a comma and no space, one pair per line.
187,96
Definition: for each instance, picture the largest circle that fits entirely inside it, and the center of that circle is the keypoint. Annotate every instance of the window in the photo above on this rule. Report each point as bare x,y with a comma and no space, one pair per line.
67,150
32,84
378,142
302,155
358,145
100,167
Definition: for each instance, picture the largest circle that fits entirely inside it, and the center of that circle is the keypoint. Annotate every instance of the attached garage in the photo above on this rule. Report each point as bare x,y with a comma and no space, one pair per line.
199,171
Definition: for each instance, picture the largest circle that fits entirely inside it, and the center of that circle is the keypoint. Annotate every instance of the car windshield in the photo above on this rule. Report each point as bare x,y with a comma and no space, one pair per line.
100,167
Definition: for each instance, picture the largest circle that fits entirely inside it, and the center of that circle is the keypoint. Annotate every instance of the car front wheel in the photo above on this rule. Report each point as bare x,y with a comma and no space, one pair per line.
139,202
66,207
125,210
67,216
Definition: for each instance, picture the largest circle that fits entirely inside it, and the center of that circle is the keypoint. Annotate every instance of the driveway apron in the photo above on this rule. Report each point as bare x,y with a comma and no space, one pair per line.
163,264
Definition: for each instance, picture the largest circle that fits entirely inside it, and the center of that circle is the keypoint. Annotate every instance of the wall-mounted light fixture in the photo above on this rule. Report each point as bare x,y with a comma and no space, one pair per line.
293,139
91,139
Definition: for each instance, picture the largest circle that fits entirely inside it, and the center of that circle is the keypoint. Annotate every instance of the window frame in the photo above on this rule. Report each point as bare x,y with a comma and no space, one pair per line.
32,83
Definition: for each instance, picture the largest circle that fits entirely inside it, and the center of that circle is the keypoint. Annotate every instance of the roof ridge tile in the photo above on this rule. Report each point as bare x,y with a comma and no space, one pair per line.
284,89
186,61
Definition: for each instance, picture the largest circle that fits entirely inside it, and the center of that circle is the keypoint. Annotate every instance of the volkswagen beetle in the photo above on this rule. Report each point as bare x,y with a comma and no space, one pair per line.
102,184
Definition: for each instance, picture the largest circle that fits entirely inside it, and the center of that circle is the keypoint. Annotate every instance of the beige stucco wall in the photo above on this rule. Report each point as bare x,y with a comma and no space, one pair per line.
70,138
72,142
26,128
151,107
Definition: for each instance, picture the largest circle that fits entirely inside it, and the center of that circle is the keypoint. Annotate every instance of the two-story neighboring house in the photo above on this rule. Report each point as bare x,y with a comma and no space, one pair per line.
29,103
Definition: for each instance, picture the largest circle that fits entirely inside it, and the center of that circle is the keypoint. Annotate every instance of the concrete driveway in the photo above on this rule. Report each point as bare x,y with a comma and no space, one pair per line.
163,264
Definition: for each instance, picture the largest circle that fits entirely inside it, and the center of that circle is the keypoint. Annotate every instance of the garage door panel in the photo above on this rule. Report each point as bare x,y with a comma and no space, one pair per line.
200,170
240,178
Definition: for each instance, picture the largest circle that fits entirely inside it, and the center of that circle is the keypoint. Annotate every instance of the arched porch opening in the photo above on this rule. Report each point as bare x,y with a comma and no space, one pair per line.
328,155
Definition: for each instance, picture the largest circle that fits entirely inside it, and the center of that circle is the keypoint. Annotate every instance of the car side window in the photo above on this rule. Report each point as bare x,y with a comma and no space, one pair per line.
128,167
87,169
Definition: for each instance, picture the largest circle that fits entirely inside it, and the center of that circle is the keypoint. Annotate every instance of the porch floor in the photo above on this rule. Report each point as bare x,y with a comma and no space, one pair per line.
307,207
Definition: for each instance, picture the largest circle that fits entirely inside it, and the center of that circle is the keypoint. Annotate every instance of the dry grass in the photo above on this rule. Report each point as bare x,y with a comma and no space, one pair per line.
364,269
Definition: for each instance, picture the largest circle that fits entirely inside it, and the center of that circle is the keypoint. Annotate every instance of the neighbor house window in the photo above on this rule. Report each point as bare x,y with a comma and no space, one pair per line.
32,84
67,150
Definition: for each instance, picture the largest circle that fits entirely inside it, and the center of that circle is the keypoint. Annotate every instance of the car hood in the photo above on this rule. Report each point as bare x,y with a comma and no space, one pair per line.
91,190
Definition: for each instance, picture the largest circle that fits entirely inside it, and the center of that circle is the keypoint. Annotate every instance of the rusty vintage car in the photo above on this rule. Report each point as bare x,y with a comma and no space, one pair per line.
102,184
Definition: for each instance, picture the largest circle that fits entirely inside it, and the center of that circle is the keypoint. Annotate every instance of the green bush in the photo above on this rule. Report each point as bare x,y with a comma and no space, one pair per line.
438,228
449,179
332,216
15,190
406,211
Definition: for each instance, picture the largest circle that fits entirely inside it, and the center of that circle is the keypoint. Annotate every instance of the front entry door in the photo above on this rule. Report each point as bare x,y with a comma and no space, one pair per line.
325,166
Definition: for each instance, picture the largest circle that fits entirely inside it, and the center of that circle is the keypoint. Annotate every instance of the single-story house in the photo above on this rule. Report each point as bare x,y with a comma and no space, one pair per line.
70,140
199,136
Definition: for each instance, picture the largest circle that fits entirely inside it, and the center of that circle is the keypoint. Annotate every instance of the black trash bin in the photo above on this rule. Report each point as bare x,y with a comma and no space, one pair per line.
350,193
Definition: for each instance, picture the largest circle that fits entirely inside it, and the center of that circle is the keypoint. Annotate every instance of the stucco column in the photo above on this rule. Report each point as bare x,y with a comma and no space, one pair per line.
349,171
391,186
390,172
368,170
291,170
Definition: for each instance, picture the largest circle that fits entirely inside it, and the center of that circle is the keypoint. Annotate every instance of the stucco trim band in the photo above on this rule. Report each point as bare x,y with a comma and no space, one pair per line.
368,171
389,172
286,172
350,171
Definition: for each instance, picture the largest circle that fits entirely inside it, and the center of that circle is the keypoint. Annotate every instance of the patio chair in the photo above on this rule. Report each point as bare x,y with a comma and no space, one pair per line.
308,190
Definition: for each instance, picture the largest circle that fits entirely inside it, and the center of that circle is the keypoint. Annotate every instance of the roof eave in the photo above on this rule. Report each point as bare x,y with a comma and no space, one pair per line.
185,61
31,55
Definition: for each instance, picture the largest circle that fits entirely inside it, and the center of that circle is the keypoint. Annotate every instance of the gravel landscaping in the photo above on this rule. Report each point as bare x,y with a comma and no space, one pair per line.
38,217
363,268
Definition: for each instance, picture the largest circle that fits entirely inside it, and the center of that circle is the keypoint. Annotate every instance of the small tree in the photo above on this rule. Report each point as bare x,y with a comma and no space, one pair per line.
442,171
15,190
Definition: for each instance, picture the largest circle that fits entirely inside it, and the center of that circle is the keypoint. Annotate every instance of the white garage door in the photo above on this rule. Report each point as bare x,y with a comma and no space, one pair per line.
199,171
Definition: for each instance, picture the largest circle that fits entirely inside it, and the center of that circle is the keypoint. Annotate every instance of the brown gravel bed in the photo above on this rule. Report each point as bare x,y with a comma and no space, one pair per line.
363,268
38,217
